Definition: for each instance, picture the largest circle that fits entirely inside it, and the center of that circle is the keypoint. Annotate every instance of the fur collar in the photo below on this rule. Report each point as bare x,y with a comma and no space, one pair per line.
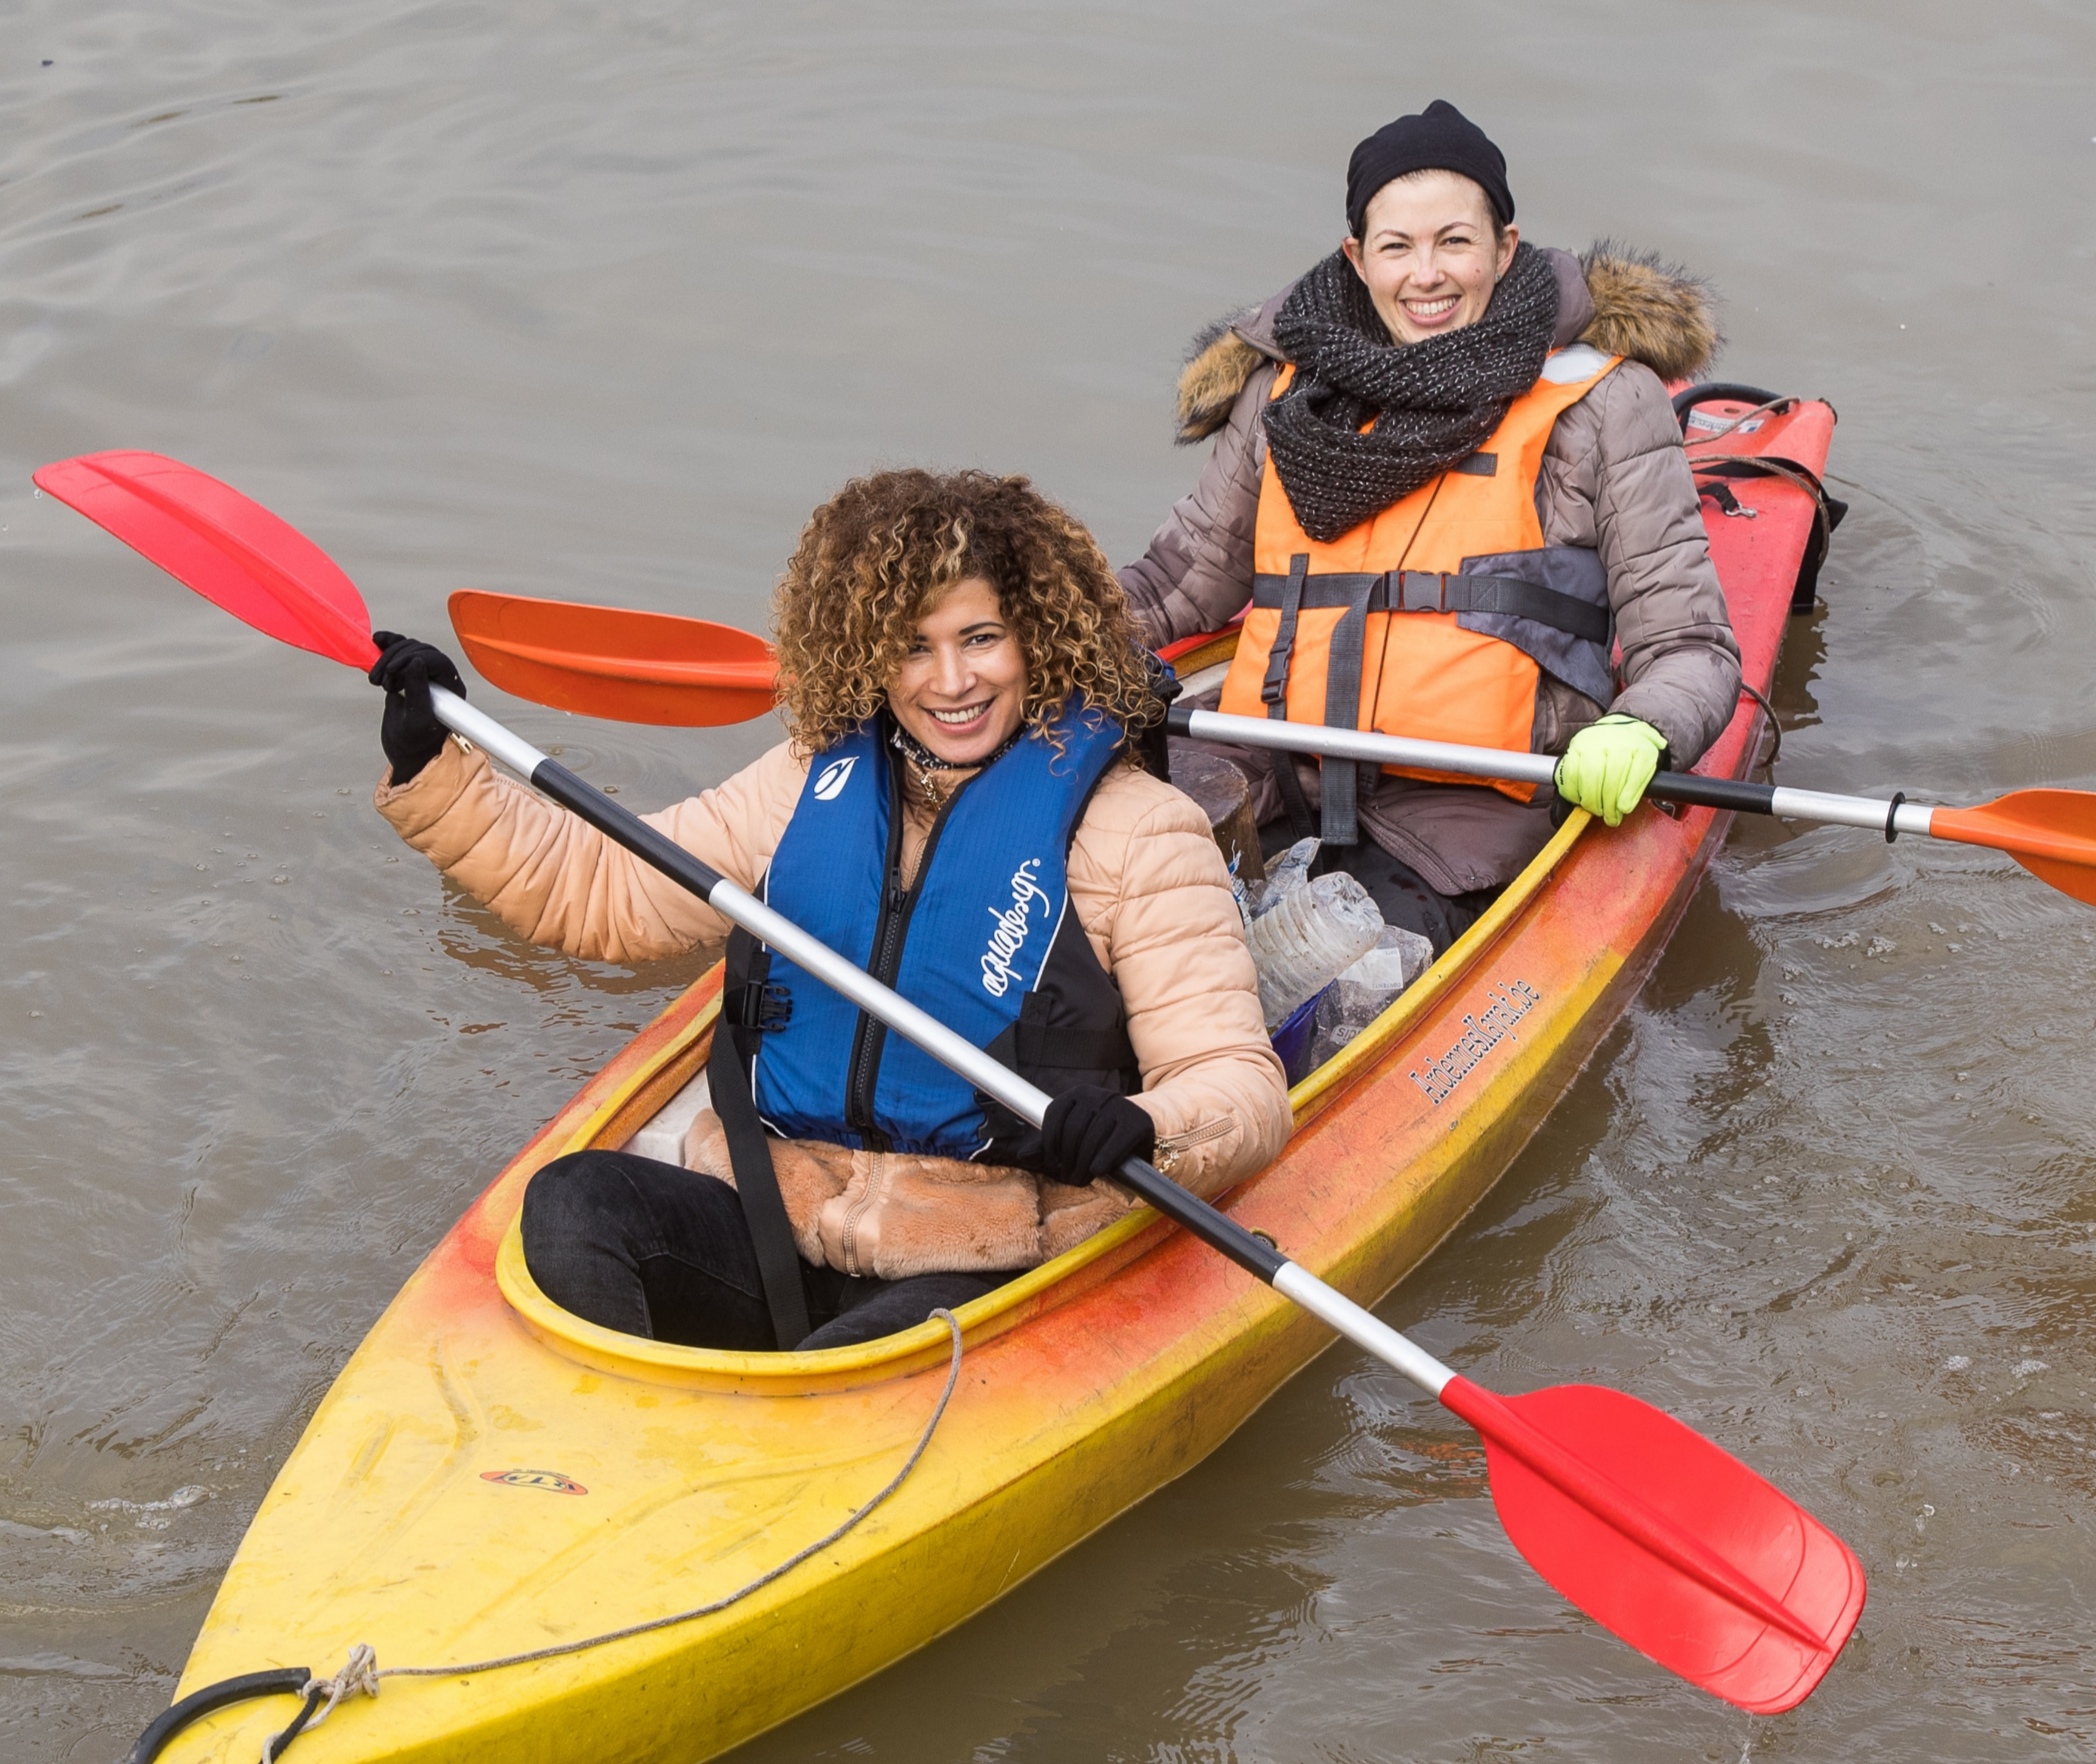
1637,305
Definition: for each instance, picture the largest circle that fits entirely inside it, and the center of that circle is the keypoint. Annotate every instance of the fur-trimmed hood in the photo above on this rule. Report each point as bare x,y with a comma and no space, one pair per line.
1623,302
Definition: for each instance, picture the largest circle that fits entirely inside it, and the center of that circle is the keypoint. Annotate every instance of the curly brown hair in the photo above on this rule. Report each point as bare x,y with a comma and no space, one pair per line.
879,555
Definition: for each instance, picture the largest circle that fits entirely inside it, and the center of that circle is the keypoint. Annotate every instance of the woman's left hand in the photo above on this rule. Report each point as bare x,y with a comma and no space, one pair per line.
1091,1132
1608,764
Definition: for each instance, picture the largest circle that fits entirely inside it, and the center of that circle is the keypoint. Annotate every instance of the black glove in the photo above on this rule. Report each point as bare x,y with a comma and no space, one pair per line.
408,730
1090,1132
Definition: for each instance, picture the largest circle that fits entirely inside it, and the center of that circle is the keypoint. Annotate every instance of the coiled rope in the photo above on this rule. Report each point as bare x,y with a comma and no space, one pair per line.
361,1674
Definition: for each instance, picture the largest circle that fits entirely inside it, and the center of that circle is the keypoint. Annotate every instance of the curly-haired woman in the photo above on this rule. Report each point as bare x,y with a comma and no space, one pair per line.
965,699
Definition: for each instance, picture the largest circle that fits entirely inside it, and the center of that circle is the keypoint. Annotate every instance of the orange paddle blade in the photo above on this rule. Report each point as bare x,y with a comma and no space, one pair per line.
604,661
2051,833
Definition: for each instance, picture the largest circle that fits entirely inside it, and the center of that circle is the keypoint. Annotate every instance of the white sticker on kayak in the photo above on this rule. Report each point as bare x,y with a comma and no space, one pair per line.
1703,420
829,785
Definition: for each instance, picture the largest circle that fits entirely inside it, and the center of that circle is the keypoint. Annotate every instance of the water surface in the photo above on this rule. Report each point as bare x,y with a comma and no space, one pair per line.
599,301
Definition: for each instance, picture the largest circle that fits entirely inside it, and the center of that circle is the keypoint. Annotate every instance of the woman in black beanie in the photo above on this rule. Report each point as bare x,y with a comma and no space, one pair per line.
1447,483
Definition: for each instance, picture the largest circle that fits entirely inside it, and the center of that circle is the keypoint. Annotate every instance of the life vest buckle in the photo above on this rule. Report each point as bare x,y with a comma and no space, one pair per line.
757,1007
1406,591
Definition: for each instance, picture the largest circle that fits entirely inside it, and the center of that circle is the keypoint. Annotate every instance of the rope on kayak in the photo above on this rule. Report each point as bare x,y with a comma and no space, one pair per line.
361,1674
1775,728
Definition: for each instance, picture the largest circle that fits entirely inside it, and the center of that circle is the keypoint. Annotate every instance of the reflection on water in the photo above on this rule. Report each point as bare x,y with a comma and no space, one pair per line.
598,302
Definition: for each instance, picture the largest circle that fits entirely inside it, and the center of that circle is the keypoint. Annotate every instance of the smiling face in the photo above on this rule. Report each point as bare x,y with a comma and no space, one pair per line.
1428,255
961,689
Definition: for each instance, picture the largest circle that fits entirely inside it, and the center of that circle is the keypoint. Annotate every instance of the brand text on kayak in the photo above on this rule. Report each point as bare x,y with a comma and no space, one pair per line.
1482,1032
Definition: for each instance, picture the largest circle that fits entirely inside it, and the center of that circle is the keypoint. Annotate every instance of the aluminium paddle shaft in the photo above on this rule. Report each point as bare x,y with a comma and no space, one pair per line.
994,1079
1889,817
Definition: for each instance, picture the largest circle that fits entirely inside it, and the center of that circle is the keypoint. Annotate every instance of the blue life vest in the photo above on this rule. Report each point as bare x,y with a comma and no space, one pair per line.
969,941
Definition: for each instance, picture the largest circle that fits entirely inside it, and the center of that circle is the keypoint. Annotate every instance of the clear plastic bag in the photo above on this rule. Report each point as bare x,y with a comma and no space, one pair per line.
1287,873
1308,933
1367,989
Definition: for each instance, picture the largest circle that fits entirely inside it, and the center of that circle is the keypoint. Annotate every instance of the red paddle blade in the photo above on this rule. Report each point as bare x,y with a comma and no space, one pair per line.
2051,833
233,552
1668,1541
604,661
1182,646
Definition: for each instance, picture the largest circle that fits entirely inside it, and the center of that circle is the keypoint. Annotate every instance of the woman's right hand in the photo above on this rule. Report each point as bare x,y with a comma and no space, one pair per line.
408,729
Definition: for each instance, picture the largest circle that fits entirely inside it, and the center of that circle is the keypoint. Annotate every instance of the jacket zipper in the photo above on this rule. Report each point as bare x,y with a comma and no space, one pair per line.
1172,1148
893,925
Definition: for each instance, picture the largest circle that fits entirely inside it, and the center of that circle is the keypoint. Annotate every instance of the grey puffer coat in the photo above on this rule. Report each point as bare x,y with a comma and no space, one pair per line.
1614,478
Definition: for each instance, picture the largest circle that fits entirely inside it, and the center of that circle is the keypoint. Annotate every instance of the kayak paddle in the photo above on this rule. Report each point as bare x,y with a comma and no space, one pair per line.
1655,1532
594,655
2051,833
690,672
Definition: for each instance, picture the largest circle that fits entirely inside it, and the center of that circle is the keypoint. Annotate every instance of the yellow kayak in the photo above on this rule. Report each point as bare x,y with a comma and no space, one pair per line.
491,1477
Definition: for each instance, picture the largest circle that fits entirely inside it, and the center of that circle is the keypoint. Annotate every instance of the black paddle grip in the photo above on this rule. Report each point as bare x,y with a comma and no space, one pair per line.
1736,794
1219,1232
624,826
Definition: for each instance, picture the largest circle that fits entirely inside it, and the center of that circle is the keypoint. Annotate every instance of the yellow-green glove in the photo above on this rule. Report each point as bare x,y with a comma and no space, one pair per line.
1608,764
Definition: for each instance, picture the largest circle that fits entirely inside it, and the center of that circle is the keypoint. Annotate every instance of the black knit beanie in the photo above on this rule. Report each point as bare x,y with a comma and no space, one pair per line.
1441,138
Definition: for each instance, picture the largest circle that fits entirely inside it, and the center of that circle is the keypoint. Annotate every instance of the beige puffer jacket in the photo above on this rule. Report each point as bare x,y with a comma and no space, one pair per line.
1614,478
1149,888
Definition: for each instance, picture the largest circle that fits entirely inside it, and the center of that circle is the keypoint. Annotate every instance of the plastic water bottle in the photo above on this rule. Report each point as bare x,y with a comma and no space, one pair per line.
1303,941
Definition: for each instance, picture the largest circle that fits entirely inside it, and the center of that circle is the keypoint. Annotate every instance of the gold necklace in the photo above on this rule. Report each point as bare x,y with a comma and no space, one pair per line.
927,784
925,768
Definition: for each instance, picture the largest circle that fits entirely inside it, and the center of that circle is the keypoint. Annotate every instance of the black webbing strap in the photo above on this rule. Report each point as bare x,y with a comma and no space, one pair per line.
1037,1047
1432,591
1728,504
1302,817
1288,596
763,1207
1273,690
1827,511
1337,792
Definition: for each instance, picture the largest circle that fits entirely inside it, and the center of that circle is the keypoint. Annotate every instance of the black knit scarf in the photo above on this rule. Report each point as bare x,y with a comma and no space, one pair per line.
1432,402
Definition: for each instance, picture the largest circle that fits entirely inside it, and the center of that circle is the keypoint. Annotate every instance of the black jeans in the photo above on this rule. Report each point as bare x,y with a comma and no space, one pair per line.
649,1249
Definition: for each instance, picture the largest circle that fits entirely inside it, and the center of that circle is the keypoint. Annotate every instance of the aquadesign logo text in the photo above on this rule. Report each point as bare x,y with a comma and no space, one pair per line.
1482,1032
1012,924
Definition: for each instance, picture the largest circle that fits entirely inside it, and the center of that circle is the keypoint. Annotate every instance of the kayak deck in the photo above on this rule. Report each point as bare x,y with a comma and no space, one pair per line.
490,1475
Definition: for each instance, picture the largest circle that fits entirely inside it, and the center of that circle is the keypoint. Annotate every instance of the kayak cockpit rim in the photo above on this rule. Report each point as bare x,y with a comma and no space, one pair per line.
927,1344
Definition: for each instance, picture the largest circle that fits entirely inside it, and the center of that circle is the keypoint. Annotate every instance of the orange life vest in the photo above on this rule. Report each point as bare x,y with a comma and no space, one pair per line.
1436,619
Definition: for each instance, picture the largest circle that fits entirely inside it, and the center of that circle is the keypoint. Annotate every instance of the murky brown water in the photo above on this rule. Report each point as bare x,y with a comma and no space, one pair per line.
600,300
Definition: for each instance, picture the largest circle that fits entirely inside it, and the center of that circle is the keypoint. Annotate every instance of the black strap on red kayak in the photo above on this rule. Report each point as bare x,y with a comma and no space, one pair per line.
1827,511
749,1148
